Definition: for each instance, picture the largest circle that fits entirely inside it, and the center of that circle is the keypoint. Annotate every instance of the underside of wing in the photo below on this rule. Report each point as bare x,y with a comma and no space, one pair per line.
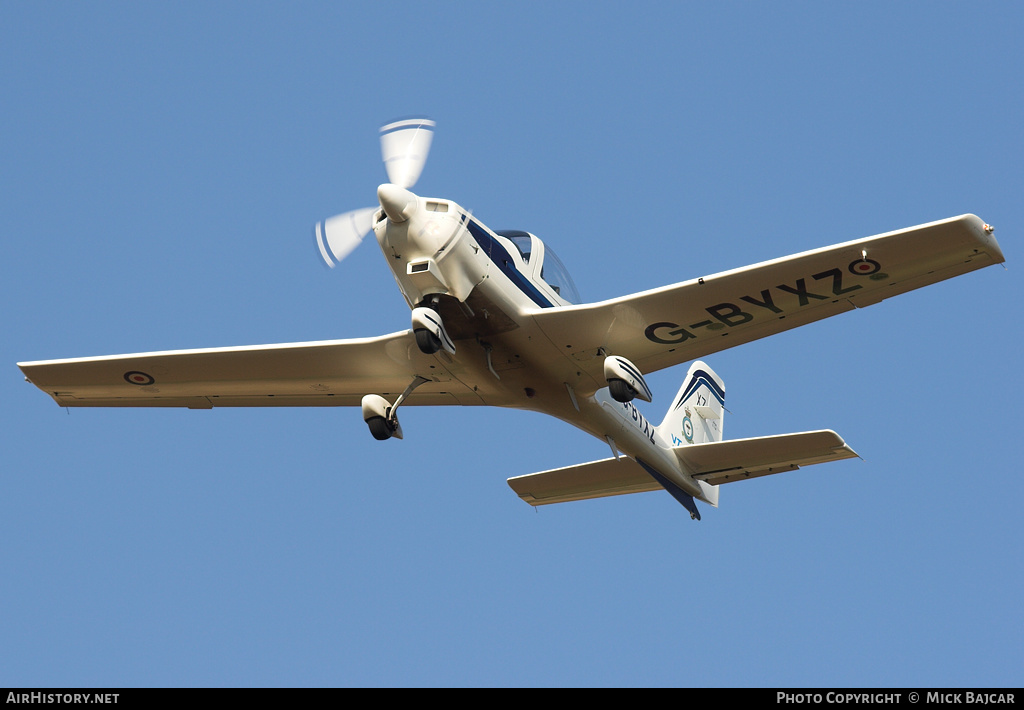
739,459
597,479
686,321
324,373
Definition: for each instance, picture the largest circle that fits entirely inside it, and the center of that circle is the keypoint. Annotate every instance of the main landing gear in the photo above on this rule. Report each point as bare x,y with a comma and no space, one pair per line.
624,380
431,337
382,417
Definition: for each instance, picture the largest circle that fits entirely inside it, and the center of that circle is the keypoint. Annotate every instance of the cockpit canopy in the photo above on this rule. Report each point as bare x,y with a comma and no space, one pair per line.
552,270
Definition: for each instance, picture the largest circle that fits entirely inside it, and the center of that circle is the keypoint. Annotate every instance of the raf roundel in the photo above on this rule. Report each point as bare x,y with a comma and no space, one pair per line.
864,267
138,378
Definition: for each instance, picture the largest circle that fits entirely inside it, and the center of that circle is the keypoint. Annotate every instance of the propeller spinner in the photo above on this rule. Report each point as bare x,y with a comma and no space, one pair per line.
404,146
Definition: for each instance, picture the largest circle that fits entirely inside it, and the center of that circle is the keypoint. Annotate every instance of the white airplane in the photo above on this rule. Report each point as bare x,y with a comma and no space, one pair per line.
496,320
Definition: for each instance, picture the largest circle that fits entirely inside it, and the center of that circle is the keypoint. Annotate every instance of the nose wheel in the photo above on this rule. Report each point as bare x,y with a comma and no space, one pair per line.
429,330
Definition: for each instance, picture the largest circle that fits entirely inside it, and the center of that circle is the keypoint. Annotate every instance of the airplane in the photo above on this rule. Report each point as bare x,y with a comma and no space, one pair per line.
497,321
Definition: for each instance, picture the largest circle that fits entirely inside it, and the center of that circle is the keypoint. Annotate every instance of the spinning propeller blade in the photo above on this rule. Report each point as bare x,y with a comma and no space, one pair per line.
404,146
339,235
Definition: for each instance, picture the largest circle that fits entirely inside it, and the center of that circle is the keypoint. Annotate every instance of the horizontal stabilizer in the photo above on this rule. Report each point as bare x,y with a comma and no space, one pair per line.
739,459
597,479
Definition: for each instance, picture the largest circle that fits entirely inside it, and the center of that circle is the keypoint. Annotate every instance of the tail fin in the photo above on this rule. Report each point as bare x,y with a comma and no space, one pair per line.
696,415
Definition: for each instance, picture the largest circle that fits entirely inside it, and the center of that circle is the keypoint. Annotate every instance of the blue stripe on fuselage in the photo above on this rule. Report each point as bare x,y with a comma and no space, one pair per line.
503,260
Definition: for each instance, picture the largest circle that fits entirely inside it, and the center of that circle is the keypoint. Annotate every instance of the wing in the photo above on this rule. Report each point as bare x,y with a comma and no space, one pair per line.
326,373
686,321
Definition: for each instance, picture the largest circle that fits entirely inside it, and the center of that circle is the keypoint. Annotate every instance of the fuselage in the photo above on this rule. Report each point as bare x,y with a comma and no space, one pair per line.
486,286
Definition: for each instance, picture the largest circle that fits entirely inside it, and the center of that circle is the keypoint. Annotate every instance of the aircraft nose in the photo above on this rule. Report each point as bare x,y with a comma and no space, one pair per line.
398,203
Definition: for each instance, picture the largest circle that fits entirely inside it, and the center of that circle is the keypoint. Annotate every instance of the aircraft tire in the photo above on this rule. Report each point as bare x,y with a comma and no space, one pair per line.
380,428
620,391
427,342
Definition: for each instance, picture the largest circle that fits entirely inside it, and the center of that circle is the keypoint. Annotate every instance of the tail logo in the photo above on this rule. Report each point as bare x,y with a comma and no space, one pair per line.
688,429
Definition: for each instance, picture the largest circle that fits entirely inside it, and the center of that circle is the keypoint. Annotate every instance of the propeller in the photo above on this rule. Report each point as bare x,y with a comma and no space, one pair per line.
404,146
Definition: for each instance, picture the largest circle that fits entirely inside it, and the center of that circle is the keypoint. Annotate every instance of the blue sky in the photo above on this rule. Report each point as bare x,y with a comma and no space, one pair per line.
161,170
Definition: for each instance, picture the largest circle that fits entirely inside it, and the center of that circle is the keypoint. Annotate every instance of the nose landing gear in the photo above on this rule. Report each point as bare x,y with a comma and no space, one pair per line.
429,331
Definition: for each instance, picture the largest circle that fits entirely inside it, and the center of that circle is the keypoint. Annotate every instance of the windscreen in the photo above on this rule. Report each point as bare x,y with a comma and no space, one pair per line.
557,276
